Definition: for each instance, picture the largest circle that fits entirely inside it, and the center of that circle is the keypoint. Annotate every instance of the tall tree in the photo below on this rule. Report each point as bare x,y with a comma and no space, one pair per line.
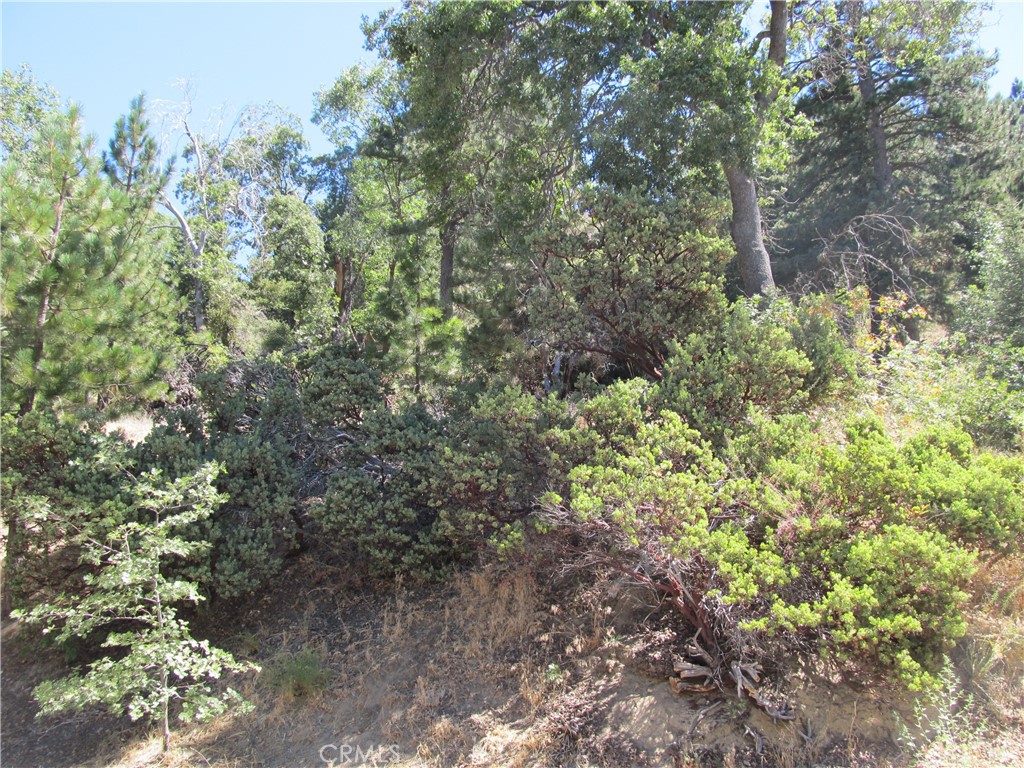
87,313
896,95
24,104
646,95
381,237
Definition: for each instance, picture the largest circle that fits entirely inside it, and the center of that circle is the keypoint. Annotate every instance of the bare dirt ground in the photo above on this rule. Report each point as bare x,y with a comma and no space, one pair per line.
485,671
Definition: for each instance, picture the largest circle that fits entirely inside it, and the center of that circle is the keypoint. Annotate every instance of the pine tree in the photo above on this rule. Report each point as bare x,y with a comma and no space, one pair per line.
87,314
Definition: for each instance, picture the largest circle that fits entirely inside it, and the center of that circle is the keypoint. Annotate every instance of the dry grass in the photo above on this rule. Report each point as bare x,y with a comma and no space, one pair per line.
495,613
1004,749
484,672
135,427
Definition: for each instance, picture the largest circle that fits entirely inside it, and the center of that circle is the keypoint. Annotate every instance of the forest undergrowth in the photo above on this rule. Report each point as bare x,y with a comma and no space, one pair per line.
625,388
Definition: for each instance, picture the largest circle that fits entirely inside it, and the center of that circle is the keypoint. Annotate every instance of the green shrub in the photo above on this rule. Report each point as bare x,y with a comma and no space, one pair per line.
297,675
254,416
713,378
978,389
862,549
258,526
337,389
381,504
497,461
62,482
621,276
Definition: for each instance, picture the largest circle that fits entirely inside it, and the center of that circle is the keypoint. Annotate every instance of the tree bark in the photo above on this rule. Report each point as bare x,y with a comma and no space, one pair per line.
751,254
869,96
449,235
746,227
880,142
777,30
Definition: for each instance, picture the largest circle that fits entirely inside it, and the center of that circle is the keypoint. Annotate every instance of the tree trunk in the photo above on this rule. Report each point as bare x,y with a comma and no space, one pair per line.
197,246
747,235
777,29
449,235
879,141
746,228
198,302
39,346
38,349
343,294
869,96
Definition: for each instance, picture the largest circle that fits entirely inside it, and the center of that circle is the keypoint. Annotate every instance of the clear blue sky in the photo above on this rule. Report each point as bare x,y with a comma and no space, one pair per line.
236,53
101,55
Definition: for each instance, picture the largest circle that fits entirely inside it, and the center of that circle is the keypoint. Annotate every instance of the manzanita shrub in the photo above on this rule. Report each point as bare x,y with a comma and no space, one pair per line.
61,482
249,426
859,549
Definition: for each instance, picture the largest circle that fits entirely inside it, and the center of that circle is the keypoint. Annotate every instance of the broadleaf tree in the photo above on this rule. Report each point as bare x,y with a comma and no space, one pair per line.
137,607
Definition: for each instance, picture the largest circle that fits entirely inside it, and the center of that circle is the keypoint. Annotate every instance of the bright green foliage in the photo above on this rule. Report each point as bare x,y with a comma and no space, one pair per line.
87,314
157,663
663,488
132,163
751,358
935,478
895,594
862,549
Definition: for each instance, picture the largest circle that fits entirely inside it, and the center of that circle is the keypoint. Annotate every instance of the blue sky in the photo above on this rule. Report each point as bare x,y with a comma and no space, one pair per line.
235,53
101,55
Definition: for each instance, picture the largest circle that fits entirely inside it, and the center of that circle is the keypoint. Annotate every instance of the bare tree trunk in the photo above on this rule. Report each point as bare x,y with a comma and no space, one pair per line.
879,141
196,246
198,303
746,227
449,235
777,30
751,254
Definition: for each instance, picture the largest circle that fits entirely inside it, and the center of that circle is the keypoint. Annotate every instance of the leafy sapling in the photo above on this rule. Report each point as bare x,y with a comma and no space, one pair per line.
158,664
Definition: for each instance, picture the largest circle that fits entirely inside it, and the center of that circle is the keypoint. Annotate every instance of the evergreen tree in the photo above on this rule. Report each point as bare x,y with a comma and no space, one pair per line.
87,314
133,162
890,189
